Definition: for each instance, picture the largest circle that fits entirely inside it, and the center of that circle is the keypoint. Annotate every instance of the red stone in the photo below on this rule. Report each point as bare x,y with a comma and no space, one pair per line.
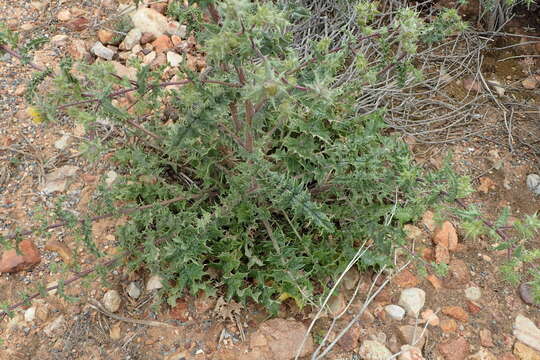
456,312
78,24
406,279
162,44
29,257
457,349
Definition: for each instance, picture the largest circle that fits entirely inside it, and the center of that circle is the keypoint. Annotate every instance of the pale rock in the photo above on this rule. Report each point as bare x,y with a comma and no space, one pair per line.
27,26
63,142
136,49
412,300
337,304
483,354
64,15
523,352
149,20
350,279
132,38
38,5
499,89
526,331
280,339
533,183
409,352
111,301
59,40
56,181
412,335
529,83
101,51
55,325
446,235
124,71
30,314
395,312
173,58
126,55
154,283
111,177
115,331
430,317
149,58
473,293
373,350
133,290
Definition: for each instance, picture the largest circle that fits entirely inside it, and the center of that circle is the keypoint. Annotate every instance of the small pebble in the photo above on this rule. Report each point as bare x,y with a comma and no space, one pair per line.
473,293
111,300
526,294
133,290
533,183
395,312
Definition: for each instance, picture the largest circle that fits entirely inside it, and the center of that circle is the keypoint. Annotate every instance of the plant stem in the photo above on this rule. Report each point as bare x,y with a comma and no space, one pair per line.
78,276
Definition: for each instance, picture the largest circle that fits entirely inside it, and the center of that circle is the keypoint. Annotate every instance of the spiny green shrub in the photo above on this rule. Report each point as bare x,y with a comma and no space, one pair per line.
283,180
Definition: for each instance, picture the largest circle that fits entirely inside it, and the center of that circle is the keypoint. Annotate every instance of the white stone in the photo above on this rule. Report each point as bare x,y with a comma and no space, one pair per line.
154,283
173,58
132,38
473,293
412,300
533,183
149,20
30,314
101,51
59,40
111,177
133,290
526,331
63,142
373,350
56,181
395,312
112,300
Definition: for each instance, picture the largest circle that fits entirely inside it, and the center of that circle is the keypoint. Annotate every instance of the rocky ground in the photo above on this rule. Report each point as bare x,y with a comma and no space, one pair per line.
471,313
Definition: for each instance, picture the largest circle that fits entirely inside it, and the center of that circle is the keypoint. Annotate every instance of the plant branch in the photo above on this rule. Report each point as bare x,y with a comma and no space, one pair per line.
77,276
15,54
124,211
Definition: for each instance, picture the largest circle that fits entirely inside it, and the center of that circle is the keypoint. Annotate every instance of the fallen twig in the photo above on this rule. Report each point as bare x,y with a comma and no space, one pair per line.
96,305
